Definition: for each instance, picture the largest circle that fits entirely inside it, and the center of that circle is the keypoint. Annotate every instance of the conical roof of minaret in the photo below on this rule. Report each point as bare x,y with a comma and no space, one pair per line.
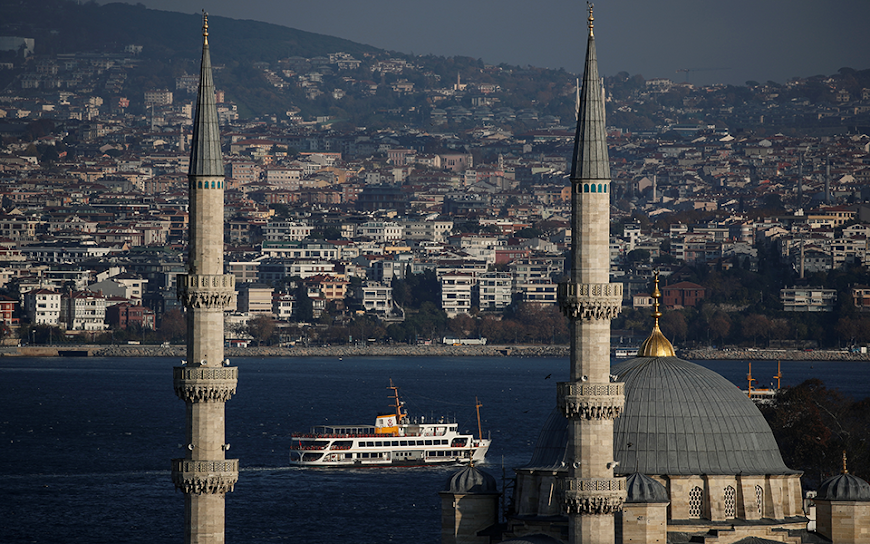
205,146
590,144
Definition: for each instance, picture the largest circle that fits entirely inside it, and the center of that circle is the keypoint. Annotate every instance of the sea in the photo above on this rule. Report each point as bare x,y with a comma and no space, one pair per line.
86,443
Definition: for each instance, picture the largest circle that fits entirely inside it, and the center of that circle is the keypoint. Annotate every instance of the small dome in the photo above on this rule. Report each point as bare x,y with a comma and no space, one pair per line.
471,480
642,488
844,487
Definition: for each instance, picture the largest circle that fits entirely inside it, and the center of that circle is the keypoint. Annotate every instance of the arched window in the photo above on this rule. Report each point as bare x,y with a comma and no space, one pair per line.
199,183
696,502
759,499
730,502
212,185
593,187
605,187
585,187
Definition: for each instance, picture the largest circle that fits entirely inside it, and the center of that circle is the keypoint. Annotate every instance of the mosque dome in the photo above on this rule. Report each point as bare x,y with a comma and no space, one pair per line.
844,487
471,480
641,488
679,418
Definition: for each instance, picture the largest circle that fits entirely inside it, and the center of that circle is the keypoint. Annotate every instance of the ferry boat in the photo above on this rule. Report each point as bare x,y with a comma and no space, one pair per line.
394,440
763,395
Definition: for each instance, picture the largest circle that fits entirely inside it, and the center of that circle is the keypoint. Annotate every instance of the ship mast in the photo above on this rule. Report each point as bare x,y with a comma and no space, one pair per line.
398,403
477,406
750,379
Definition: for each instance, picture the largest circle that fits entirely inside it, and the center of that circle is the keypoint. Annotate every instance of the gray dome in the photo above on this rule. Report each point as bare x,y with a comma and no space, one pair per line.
844,487
642,488
679,418
471,480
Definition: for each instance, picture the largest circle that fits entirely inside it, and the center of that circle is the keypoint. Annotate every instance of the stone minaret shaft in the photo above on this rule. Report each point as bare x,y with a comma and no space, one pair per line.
590,401
203,382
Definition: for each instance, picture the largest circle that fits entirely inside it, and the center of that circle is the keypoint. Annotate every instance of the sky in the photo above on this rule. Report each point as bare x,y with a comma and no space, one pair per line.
699,41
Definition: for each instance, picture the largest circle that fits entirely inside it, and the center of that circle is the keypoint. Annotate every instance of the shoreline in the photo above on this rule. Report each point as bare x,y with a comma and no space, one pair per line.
402,350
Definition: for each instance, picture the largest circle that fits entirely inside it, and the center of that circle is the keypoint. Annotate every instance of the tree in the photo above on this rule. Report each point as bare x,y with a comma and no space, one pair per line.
262,328
173,327
304,306
756,325
719,325
814,426
673,325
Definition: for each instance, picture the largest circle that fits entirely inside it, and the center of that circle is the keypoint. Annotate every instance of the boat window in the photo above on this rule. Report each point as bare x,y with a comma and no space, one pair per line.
370,444
403,442
378,444
395,442
428,442
348,456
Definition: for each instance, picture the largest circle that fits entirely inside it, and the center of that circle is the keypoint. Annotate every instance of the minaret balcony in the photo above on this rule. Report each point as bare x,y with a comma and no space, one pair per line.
205,383
204,476
577,400
590,496
590,300
214,291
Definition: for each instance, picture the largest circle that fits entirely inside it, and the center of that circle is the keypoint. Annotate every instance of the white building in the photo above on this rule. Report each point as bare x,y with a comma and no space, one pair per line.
279,231
494,291
42,306
431,231
282,306
456,290
83,311
380,231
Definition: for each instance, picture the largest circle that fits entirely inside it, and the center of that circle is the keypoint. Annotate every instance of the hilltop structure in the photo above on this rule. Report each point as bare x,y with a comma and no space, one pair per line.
205,382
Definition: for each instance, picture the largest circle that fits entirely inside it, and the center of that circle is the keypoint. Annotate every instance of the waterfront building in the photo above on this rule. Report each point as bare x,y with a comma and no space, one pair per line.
205,381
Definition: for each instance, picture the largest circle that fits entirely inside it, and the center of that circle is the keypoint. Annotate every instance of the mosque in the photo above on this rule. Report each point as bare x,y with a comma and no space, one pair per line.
651,450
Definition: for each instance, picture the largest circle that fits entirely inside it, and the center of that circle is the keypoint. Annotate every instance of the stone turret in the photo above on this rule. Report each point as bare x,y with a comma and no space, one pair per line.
644,516
469,504
204,381
843,509
591,401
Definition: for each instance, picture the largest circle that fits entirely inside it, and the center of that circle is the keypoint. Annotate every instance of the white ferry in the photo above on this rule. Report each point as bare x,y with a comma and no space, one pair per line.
763,395
394,440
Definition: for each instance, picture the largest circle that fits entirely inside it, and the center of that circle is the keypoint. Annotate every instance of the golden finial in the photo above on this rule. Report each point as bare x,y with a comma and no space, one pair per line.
591,20
656,345
205,26
845,471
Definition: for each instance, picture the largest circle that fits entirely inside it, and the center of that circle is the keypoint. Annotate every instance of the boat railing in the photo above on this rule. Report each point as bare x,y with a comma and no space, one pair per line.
338,435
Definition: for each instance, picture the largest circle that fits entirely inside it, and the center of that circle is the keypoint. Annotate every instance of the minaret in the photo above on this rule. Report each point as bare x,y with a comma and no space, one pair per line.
203,382
590,401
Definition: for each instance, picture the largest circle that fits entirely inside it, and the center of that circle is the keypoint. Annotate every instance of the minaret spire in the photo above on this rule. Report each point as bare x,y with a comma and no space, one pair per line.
205,381
590,401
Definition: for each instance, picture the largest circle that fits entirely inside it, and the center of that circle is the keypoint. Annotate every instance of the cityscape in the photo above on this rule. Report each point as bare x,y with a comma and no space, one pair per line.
453,208
368,199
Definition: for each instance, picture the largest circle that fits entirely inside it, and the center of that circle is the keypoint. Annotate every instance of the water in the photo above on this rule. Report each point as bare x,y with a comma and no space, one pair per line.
86,443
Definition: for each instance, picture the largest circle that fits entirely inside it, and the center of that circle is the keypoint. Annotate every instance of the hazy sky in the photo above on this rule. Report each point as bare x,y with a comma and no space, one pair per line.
722,41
